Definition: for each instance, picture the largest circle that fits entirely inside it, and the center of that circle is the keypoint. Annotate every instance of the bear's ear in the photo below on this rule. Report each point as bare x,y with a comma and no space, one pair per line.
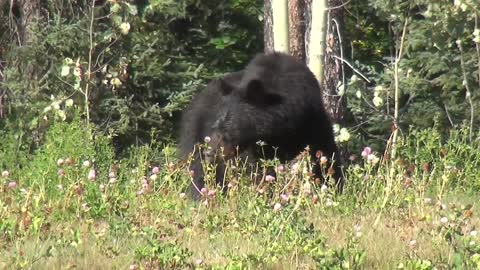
258,95
225,87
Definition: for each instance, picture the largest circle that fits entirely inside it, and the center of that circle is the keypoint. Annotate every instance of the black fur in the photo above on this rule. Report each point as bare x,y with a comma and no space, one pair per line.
275,99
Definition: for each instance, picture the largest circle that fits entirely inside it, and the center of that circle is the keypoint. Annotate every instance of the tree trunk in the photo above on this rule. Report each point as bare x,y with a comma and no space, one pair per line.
296,21
280,26
332,67
334,73
268,26
28,12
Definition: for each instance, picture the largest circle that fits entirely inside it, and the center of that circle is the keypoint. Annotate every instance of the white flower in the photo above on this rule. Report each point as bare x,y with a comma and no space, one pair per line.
444,220
116,82
377,101
358,94
344,135
65,71
125,28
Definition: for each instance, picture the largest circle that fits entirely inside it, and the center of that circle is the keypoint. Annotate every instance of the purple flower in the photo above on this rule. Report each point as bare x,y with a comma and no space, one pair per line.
155,170
366,151
92,175
12,185
269,178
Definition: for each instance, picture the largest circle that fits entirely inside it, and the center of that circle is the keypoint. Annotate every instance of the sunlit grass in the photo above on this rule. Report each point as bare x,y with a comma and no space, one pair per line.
94,212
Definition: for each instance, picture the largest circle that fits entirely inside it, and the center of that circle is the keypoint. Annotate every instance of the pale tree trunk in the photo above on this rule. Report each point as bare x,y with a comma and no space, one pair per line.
324,41
280,26
319,45
268,26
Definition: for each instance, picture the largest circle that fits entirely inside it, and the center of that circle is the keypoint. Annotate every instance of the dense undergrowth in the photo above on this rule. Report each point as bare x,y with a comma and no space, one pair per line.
73,205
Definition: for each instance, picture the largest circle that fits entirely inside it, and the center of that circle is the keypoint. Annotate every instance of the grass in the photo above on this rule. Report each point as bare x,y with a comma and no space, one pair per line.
132,213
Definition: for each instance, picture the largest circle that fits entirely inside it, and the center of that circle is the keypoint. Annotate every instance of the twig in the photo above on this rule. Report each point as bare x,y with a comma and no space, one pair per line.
339,6
90,55
397,88
350,65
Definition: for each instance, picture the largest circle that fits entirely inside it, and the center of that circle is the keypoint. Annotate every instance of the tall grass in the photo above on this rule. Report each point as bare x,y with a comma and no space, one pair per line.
71,204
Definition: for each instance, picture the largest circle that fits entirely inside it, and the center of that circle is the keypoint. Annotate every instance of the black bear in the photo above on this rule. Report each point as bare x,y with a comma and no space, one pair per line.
275,99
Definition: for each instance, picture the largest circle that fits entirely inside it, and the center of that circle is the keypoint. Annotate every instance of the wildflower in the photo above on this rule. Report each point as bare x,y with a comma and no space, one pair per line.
323,188
60,162
372,158
111,174
183,195
153,177
284,198
61,172
472,243
92,175
198,262
125,28
204,190
115,82
5,174
112,180
101,187
155,170
87,163
344,135
352,157
77,72
295,167
444,220
207,139
476,34
315,198
211,193
473,233
277,207
307,188
280,168
427,201
377,101
133,267
269,178
145,183
84,206
366,151
413,243
323,160
329,202
358,94
69,161
60,187
12,185
65,71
